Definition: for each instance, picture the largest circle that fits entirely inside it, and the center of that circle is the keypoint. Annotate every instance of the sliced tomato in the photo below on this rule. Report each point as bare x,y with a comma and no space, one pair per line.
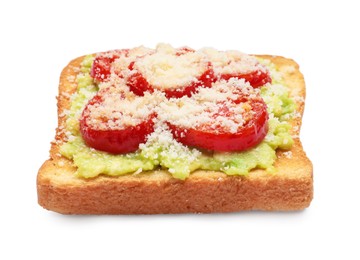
184,50
256,78
115,141
138,84
205,80
221,139
101,68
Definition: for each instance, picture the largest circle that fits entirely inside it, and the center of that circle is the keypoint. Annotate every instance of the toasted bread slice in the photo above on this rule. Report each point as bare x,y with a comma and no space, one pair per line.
156,192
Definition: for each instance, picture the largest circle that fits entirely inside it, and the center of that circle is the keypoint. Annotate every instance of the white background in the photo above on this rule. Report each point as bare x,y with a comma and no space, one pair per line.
39,38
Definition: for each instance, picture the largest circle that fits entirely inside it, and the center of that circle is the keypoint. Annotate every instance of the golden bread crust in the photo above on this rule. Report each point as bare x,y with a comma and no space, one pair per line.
156,192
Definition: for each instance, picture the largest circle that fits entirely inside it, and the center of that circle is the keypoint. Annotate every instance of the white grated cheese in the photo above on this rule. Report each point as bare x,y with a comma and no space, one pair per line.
119,109
209,108
120,67
166,70
162,139
138,171
232,62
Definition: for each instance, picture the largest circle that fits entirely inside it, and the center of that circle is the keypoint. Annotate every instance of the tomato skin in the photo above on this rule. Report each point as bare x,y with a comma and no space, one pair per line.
138,84
184,50
256,78
205,80
101,68
250,135
115,141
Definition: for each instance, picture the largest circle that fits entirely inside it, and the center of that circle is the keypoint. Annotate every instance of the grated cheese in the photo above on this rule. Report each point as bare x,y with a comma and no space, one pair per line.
165,70
212,108
119,109
162,139
232,62
120,66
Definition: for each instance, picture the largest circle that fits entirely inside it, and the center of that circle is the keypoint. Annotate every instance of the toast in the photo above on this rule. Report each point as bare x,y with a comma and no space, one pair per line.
157,192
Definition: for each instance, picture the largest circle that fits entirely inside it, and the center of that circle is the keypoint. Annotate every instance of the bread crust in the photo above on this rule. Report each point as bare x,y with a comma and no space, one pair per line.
157,192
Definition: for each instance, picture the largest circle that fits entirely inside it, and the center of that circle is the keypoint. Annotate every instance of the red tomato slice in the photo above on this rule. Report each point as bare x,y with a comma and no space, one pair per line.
184,50
220,139
115,141
205,80
138,84
256,78
101,68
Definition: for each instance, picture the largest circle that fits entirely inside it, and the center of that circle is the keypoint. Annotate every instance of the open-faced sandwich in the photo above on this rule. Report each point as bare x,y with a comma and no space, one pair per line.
176,130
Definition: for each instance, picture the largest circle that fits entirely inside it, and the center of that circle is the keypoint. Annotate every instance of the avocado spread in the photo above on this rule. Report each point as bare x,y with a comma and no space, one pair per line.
162,151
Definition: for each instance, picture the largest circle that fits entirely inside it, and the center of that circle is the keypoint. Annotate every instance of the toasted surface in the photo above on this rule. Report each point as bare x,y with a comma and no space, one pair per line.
290,188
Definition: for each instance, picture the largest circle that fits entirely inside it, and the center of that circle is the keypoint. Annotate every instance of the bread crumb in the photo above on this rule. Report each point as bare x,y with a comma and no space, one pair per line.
297,115
299,99
75,69
71,138
66,95
71,78
61,163
66,112
138,171
287,154
289,69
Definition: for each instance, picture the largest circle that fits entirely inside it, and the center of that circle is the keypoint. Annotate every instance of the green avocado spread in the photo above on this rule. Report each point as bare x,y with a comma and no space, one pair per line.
179,160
